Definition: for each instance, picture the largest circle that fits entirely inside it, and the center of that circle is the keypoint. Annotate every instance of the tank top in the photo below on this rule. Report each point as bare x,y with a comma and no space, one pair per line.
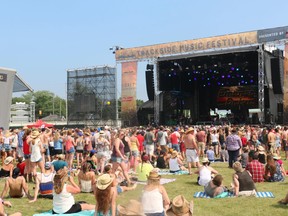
245,181
121,149
173,164
204,176
68,144
35,151
86,186
79,145
46,184
134,146
152,201
62,202
26,147
126,146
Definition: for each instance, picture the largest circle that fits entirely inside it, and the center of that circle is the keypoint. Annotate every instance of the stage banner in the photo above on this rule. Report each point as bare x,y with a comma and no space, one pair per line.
128,95
6,90
187,46
285,103
273,34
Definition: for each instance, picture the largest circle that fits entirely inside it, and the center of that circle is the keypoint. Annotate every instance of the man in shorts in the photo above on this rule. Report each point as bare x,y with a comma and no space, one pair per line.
201,140
192,151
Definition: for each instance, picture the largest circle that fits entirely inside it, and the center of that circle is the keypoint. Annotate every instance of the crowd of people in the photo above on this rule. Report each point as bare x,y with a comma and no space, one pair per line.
108,161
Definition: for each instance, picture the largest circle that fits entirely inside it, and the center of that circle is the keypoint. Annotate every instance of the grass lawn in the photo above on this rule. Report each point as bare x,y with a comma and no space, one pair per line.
185,185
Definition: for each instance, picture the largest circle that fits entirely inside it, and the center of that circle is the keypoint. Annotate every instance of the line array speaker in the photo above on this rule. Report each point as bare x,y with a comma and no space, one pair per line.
150,84
275,75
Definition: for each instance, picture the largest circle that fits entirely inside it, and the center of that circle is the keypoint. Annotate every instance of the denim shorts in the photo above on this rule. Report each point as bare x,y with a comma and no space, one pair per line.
116,159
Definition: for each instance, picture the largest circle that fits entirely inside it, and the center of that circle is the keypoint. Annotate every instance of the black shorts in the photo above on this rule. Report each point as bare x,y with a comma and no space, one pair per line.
57,151
74,209
79,151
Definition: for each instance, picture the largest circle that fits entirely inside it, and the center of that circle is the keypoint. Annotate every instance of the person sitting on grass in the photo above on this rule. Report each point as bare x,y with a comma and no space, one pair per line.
210,154
154,199
175,163
243,183
120,188
9,205
21,165
143,169
224,157
7,169
60,163
205,172
16,185
215,186
273,172
44,183
63,199
255,167
105,195
161,160
86,178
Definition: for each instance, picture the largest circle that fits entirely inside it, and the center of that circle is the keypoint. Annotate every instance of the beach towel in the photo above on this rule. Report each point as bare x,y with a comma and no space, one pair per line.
167,172
82,213
258,194
162,181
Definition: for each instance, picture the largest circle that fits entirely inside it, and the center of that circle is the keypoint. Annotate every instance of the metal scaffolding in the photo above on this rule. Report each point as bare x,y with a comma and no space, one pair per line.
92,96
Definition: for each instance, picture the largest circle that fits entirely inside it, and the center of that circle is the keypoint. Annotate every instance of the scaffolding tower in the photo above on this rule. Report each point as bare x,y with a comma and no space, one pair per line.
92,96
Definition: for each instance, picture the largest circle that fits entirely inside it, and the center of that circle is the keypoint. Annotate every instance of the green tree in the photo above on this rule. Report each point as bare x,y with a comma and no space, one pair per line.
46,103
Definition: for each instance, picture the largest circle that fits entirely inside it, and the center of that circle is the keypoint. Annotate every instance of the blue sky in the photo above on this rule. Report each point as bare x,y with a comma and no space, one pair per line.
42,39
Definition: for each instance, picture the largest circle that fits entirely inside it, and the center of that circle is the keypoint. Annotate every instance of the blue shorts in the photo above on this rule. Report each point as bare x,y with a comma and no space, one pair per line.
116,159
135,153
7,147
71,150
176,147
27,156
119,189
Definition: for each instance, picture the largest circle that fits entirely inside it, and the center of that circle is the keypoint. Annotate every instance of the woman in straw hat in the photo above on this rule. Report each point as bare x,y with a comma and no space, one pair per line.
7,168
105,194
154,198
180,207
243,183
36,149
205,172
63,199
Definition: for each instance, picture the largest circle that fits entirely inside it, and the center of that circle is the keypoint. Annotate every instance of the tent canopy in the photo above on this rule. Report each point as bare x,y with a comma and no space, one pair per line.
20,85
40,124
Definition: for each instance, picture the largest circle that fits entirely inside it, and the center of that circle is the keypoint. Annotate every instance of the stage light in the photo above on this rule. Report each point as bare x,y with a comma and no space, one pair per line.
223,76
237,69
229,63
199,66
215,65
228,76
232,68
251,81
195,78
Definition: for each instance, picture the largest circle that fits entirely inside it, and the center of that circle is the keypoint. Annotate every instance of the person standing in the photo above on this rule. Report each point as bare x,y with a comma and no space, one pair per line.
271,141
201,140
233,144
192,151
162,138
149,142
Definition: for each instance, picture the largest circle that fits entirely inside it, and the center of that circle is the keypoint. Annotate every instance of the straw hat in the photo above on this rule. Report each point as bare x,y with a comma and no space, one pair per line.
261,149
35,134
276,156
87,133
205,160
189,130
180,206
174,154
8,160
104,181
133,208
61,156
153,176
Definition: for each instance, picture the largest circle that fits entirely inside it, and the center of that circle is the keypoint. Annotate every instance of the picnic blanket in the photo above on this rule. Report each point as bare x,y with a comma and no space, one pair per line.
167,172
82,213
162,181
258,194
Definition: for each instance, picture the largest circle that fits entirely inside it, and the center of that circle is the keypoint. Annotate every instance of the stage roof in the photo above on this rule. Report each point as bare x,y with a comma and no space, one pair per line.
20,85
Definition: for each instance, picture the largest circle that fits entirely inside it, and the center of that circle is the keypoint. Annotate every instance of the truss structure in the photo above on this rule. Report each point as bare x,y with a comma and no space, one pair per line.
92,96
